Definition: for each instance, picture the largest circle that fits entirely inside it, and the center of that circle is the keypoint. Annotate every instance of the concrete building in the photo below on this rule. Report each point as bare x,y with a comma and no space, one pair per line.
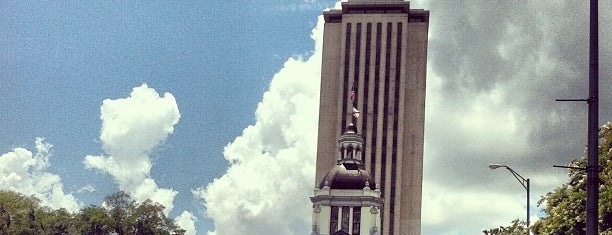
374,63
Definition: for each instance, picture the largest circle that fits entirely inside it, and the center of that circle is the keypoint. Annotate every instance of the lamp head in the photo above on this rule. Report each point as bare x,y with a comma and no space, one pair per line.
495,166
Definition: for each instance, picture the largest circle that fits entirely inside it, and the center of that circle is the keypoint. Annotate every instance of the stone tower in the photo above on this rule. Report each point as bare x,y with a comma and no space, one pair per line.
375,57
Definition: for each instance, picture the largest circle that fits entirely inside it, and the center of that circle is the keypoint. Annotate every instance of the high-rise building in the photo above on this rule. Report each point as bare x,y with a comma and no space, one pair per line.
374,67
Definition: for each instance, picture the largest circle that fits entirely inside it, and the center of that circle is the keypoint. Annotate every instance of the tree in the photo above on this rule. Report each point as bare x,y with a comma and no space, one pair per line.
54,221
120,207
150,219
129,217
92,220
20,214
517,227
566,205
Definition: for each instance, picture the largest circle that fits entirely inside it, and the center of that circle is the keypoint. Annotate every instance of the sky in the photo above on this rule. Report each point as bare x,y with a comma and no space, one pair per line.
210,107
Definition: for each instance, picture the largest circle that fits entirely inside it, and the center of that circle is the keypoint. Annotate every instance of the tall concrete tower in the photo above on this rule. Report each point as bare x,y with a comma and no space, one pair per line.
374,61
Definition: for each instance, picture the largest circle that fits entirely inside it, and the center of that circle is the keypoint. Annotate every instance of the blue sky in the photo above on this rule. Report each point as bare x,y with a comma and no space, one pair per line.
244,77
60,60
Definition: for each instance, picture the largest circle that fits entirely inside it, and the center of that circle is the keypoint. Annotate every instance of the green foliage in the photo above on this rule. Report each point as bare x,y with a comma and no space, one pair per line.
54,221
18,213
566,205
120,205
21,214
517,227
92,220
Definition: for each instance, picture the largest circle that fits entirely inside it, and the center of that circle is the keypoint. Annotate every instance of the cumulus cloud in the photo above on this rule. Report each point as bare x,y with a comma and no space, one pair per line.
266,188
131,128
186,220
27,173
494,71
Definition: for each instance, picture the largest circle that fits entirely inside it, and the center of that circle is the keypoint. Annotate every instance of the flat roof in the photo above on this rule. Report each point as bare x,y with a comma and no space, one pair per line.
376,7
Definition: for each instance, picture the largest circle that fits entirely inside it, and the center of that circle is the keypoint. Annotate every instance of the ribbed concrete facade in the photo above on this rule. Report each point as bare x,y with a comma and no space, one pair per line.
379,50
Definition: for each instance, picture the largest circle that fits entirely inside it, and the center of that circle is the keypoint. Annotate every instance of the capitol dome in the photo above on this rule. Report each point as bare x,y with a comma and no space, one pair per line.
348,174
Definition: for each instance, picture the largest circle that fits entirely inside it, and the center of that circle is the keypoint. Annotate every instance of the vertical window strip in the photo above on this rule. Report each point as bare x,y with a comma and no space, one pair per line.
366,78
357,58
396,96
385,106
347,54
345,219
333,220
356,220
386,114
376,91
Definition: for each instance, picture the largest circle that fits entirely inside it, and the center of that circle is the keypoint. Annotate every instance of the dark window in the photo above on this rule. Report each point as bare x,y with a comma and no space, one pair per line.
334,19
333,220
357,58
385,108
391,221
376,93
350,166
396,98
385,115
347,54
345,219
416,19
356,220
366,88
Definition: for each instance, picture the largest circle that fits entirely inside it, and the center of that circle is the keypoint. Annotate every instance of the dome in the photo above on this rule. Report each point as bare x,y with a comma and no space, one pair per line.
348,174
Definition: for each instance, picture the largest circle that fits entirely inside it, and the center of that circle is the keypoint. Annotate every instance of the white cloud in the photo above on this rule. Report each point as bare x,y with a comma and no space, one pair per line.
87,189
24,172
493,74
131,128
186,221
445,210
271,173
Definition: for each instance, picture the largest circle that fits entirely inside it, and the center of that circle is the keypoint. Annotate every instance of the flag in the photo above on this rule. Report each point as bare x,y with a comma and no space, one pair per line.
353,93
356,112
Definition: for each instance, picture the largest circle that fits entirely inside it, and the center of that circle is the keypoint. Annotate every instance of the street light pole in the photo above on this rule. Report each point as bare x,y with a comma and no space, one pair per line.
524,182
593,123
527,180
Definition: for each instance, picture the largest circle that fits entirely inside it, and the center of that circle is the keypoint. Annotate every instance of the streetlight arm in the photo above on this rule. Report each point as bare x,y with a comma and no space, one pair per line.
518,177
524,182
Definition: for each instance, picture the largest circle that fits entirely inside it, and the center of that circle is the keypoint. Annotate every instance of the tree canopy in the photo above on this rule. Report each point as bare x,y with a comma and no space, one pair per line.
20,214
517,227
566,205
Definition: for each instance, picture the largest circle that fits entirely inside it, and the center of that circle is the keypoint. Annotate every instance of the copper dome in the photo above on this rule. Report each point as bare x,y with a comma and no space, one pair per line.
348,174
